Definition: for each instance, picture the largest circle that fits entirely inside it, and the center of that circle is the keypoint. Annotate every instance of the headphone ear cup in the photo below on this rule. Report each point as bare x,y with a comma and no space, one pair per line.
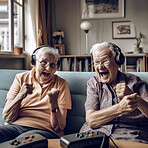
33,56
122,58
33,59
119,58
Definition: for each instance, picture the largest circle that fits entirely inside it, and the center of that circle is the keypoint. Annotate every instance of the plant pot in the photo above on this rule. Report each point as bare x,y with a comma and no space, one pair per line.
138,50
18,50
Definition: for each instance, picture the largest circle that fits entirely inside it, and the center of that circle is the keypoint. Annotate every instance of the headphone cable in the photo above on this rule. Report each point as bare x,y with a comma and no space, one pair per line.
113,142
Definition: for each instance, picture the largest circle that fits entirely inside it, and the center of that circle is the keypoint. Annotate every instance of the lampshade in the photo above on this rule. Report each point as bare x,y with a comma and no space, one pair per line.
86,26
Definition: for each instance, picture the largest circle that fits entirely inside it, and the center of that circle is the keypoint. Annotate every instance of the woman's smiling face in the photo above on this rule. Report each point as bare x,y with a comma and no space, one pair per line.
44,74
105,65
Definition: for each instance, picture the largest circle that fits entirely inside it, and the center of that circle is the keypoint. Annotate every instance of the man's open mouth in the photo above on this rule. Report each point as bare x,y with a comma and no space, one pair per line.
45,74
103,74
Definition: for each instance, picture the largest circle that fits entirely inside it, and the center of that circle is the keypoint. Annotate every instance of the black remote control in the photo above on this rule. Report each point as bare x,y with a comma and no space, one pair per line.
91,139
30,141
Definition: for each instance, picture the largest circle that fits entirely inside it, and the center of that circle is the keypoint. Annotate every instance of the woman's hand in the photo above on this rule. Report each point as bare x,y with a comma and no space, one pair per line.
53,95
58,119
25,89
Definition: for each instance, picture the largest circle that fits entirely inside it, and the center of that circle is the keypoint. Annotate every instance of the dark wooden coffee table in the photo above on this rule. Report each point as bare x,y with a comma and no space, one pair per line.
55,143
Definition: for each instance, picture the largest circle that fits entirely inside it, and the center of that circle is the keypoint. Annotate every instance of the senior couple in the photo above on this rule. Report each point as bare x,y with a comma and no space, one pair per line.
38,100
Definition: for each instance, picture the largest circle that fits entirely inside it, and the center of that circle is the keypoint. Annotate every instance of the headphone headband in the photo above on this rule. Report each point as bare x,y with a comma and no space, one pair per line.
33,56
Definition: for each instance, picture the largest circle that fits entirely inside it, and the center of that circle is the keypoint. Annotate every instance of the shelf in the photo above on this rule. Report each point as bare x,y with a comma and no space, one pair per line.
135,55
76,63
135,62
11,55
9,60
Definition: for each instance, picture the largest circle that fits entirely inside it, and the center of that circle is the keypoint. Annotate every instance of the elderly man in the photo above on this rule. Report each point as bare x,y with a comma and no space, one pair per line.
38,100
117,103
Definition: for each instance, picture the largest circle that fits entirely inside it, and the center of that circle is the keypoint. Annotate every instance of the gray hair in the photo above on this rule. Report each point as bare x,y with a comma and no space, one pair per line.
50,50
101,46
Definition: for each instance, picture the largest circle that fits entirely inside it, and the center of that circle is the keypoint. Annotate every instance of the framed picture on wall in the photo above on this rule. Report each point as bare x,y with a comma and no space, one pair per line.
96,9
123,30
61,48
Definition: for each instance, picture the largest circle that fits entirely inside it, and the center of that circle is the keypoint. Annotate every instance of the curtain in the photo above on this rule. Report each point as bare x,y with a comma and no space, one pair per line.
33,7
44,23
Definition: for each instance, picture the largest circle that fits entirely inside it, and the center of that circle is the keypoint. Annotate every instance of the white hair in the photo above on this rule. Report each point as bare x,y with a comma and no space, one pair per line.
50,50
102,46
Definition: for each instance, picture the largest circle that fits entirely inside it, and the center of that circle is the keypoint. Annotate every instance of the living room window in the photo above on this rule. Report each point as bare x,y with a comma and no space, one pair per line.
11,24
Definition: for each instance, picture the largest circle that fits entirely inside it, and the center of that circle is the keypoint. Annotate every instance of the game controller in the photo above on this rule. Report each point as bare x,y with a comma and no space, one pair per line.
91,139
30,141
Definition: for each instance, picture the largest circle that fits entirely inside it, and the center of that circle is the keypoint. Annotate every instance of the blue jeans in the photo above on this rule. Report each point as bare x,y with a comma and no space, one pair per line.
11,131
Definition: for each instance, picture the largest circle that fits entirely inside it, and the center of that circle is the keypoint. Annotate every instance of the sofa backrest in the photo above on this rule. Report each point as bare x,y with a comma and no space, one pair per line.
77,82
6,79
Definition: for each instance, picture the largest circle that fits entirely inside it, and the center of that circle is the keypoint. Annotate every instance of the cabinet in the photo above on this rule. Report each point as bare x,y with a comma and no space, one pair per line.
76,63
135,62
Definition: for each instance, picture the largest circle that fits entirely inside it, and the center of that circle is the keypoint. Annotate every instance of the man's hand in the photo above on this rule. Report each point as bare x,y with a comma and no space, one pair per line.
129,103
25,89
53,95
122,90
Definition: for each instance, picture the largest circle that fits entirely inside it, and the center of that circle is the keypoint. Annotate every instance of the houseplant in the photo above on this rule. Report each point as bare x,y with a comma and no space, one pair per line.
138,48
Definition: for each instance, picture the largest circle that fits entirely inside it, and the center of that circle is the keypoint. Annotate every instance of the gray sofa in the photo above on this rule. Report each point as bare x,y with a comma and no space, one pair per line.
77,83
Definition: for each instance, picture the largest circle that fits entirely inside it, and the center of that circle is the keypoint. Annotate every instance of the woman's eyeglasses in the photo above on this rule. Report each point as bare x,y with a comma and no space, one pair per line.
45,64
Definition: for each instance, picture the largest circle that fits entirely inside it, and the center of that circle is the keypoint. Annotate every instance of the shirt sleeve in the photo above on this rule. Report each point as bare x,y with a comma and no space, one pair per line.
141,88
92,100
14,89
64,98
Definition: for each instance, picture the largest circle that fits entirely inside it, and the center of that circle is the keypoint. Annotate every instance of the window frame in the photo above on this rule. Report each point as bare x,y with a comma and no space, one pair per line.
11,25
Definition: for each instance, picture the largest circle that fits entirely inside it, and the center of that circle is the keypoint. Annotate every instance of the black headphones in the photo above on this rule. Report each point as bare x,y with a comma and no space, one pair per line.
119,57
33,56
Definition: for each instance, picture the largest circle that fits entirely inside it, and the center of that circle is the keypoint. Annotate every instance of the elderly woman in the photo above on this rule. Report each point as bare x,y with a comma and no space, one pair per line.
38,100
117,102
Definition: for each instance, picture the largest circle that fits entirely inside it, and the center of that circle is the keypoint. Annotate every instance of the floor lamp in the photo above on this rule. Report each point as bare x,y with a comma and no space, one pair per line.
86,26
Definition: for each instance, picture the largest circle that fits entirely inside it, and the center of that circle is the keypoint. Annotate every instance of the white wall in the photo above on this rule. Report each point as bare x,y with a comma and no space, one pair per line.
68,19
